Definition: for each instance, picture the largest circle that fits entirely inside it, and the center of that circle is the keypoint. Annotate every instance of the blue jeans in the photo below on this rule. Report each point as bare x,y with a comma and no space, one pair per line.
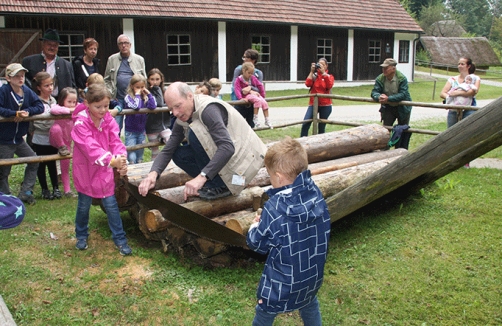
131,139
120,118
192,158
112,212
452,116
324,112
311,315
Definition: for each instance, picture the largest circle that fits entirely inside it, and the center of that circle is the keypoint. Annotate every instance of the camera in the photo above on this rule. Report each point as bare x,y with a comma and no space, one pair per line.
317,66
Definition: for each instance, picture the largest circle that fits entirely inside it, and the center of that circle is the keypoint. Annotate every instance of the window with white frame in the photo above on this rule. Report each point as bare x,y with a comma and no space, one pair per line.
404,51
325,49
178,50
374,51
262,45
71,47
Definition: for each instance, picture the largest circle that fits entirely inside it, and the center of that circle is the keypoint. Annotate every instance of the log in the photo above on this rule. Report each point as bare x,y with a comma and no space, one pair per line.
319,148
207,248
225,205
466,134
175,194
154,221
263,179
241,224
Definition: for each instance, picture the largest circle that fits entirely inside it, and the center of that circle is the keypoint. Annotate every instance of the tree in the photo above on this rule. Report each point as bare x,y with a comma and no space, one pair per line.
476,14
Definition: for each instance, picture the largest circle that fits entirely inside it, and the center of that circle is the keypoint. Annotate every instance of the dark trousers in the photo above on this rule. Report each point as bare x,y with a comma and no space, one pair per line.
247,113
192,158
51,166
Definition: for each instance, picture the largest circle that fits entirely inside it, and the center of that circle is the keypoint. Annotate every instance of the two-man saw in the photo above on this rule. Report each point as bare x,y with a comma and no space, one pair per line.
189,220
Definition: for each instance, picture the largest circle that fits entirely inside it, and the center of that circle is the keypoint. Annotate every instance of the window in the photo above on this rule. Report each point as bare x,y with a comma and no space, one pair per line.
324,49
404,51
262,45
178,50
72,46
374,51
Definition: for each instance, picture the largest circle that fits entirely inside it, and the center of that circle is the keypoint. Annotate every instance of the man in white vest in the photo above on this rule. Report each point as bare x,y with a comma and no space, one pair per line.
211,142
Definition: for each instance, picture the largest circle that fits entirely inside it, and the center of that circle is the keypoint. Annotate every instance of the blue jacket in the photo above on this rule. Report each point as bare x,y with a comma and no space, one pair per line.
294,230
13,132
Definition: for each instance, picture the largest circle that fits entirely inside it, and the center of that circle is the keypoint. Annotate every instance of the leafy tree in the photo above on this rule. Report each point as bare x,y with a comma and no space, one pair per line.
476,14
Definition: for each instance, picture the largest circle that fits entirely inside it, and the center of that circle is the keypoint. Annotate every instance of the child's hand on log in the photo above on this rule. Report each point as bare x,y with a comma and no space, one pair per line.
258,214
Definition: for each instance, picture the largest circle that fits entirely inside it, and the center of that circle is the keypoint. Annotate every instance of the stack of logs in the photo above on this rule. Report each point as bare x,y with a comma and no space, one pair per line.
336,160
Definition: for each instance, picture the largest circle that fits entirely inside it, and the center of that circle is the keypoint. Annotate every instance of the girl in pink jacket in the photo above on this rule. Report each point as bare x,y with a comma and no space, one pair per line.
60,133
97,151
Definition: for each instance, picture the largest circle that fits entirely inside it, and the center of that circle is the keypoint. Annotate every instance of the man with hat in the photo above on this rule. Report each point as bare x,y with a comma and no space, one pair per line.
391,87
17,101
60,69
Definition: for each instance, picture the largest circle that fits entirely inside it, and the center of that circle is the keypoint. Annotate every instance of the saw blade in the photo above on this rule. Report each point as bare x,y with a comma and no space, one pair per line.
189,220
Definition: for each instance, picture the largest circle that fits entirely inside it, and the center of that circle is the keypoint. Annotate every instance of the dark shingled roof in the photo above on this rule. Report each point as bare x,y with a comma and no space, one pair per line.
447,50
357,14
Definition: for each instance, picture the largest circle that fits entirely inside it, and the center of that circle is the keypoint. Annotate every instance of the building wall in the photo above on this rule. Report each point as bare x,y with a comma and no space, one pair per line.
239,39
363,70
307,50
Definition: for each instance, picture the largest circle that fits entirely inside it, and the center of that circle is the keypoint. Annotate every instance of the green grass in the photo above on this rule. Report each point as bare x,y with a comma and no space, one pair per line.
432,259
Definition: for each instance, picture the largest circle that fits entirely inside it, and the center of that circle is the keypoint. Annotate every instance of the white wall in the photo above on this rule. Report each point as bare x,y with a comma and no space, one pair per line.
406,68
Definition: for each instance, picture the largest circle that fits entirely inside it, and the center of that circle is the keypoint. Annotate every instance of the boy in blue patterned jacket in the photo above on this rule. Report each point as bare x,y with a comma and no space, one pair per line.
294,230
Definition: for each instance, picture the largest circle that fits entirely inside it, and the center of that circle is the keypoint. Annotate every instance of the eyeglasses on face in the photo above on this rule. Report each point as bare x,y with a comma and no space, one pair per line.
124,43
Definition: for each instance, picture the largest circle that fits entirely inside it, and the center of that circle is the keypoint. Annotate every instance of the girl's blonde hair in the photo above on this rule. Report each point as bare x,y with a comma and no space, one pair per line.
96,93
95,78
136,78
63,94
287,157
247,65
215,83
154,71
38,79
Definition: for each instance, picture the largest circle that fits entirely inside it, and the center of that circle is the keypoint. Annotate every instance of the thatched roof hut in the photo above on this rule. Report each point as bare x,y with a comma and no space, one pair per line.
447,50
446,28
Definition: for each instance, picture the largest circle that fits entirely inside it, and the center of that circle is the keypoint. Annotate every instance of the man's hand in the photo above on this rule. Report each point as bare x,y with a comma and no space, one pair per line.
147,183
192,187
383,99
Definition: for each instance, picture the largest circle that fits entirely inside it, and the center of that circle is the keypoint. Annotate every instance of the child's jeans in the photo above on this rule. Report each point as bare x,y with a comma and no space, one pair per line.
311,315
112,212
131,139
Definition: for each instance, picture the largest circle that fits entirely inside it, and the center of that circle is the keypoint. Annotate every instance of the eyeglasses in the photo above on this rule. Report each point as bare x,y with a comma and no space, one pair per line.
123,43
244,58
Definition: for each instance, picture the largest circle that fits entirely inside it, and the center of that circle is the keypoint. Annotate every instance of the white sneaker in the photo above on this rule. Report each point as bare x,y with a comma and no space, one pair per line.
256,123
268,124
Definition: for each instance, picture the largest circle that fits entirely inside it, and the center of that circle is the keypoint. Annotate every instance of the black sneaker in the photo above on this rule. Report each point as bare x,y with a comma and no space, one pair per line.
214,193
125,250
46,194
56,194
27,197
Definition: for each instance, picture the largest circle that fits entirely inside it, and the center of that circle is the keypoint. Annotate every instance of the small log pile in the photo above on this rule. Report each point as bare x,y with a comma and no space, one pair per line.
336,160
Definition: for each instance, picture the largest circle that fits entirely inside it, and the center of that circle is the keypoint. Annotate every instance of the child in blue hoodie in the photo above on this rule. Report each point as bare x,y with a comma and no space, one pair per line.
17,101
293,230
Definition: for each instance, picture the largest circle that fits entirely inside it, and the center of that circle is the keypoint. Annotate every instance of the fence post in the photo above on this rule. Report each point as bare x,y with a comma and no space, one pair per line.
315,109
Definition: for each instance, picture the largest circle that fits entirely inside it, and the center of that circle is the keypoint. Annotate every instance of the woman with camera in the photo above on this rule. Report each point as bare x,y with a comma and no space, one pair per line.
320,82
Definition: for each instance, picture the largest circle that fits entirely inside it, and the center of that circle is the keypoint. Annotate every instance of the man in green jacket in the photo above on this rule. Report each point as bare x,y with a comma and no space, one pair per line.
391,87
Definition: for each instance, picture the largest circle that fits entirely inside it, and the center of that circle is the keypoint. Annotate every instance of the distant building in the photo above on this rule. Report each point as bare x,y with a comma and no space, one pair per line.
196,40
445,28
447,50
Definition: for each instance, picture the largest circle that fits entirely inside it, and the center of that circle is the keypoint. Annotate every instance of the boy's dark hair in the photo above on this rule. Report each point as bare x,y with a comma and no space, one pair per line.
252,54
288,157
96,93
38,79
64,93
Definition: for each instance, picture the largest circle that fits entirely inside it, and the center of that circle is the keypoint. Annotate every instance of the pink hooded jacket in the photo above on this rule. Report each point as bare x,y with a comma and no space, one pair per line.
93,150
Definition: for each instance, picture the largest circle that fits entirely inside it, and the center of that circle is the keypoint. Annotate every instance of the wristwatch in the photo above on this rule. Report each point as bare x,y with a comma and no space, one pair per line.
204,175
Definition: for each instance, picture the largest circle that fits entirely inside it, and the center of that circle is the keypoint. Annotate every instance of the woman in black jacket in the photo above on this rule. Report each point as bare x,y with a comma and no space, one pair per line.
86,64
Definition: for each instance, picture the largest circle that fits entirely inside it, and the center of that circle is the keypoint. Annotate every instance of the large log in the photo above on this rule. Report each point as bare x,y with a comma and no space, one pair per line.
241,223
175,194
319,148
466,134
